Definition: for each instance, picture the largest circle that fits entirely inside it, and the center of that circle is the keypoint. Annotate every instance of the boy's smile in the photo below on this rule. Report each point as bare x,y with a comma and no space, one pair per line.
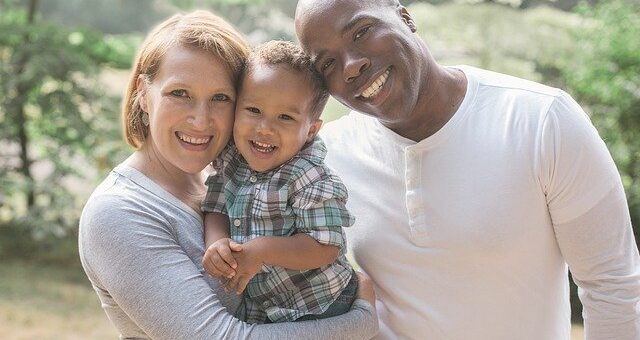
273,116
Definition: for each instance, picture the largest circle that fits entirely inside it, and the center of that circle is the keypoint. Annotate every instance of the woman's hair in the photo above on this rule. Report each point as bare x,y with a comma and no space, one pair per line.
201,30
277,52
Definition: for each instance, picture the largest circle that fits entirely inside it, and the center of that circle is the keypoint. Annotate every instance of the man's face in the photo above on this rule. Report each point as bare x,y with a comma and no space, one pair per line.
367,53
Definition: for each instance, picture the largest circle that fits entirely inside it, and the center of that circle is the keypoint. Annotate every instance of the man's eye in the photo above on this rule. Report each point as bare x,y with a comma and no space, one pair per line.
179,93
285,117
221,97
361,32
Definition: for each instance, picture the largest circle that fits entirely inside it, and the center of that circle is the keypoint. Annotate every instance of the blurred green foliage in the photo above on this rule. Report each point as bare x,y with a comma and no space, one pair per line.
605,77
56,124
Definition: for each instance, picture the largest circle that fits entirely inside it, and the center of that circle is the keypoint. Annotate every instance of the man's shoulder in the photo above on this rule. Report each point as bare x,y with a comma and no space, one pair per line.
491,80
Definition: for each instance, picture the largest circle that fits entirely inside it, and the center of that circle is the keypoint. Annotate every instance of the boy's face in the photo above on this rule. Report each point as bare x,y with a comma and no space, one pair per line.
273,117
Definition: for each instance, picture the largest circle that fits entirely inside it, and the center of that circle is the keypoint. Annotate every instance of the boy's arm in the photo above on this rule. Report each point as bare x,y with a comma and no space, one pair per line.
216,226
217,259
297,252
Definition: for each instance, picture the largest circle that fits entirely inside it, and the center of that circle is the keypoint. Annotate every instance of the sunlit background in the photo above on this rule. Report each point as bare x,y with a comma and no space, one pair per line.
64,66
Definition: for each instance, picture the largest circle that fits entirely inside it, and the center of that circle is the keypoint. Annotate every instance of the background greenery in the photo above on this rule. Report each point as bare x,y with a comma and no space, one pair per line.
63,68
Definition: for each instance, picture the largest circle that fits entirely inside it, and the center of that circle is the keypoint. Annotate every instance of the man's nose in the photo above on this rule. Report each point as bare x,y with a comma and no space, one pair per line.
354,65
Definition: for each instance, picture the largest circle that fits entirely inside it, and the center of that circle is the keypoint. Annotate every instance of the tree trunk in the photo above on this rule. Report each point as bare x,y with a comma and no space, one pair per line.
19,102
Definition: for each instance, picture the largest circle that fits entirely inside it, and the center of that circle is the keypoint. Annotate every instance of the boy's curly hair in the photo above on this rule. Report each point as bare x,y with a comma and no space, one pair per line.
279,52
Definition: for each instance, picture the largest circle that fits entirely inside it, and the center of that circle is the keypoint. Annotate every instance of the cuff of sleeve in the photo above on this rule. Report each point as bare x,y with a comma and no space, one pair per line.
328,237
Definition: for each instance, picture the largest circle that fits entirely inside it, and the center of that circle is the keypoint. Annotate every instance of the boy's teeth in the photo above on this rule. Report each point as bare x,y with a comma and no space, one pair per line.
375,88
193,140
263,147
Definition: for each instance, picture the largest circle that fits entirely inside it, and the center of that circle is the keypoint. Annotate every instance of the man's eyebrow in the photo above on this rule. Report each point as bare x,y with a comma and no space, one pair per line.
353,22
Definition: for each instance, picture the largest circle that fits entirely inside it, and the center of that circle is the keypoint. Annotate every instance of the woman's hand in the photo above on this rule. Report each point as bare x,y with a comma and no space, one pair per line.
365,288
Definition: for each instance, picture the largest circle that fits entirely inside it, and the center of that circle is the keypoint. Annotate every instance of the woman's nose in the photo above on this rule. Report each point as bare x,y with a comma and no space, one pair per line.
200,117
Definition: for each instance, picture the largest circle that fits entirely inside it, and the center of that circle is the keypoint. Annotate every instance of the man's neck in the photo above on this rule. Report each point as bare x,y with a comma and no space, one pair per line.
442,94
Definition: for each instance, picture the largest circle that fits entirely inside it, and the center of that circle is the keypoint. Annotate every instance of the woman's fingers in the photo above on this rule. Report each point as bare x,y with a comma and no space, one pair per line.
365,288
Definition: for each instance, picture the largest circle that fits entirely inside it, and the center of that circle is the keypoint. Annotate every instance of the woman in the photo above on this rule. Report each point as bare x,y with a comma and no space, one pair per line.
141,238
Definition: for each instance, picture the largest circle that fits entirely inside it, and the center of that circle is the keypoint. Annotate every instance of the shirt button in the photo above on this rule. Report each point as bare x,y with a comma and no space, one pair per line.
253,179
236,222
265,304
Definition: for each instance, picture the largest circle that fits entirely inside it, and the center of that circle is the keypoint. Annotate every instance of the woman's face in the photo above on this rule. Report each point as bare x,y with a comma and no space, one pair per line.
191,105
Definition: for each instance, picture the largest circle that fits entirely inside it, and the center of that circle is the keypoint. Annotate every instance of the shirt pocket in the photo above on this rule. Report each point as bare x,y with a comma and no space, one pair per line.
271,213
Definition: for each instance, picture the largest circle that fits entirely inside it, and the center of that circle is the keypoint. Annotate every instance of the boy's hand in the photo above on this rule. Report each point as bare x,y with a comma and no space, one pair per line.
217,259
249,264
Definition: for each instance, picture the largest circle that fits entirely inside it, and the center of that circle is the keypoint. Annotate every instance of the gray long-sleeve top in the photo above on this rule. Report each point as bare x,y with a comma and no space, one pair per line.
141,248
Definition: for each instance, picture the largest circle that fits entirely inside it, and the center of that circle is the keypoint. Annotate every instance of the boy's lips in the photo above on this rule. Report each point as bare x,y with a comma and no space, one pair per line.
262,147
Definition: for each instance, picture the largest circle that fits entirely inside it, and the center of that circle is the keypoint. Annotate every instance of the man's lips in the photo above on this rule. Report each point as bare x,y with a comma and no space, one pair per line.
374,87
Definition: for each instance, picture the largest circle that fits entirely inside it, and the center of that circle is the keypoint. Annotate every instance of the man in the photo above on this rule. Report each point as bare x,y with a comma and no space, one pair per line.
472,190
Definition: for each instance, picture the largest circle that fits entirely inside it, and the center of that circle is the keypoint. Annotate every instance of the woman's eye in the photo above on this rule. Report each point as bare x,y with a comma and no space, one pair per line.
179,93
361,32
285,117
221,97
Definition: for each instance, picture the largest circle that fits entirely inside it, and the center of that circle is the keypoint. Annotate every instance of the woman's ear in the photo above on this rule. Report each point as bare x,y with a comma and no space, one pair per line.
313,130
141,85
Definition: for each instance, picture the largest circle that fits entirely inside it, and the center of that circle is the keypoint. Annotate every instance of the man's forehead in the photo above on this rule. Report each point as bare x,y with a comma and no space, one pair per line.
309,11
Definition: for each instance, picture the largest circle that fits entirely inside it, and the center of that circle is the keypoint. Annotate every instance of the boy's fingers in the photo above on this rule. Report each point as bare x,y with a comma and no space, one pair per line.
235,246
221,265
225,254
210,268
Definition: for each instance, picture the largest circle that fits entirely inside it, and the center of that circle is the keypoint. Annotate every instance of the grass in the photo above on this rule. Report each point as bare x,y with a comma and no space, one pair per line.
40,302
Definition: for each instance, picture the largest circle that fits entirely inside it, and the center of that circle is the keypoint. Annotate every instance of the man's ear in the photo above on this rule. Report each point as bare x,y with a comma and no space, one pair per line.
313,130
141,85
408,20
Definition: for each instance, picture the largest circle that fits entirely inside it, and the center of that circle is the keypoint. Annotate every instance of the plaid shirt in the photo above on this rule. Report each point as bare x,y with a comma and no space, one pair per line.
300,196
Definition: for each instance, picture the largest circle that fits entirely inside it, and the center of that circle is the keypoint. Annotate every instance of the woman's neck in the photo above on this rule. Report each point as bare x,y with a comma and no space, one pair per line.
189,188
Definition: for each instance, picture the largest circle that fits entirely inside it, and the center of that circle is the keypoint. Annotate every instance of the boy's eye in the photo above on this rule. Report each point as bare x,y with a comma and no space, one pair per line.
221,97
285,116
179,93
253,110
325,65
361,32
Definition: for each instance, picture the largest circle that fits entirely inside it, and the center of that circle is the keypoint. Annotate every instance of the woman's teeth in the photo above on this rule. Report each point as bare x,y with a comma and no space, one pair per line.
375,88
263,147
193,140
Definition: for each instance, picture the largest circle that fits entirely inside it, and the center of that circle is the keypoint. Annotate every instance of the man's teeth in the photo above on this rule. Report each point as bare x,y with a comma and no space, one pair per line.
375,88
263,147
193,140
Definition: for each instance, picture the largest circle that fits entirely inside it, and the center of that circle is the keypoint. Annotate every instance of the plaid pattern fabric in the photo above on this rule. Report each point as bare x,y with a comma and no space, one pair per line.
300,196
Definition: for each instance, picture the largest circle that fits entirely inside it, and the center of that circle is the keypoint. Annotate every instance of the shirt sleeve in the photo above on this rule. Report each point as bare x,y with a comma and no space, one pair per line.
134,258
591,221
320,210
215,200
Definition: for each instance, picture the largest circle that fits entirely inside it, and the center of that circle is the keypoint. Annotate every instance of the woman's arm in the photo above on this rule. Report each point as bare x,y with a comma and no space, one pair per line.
145,278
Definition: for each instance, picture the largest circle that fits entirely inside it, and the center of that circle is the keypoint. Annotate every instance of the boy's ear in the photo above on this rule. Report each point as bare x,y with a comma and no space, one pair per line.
313,130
